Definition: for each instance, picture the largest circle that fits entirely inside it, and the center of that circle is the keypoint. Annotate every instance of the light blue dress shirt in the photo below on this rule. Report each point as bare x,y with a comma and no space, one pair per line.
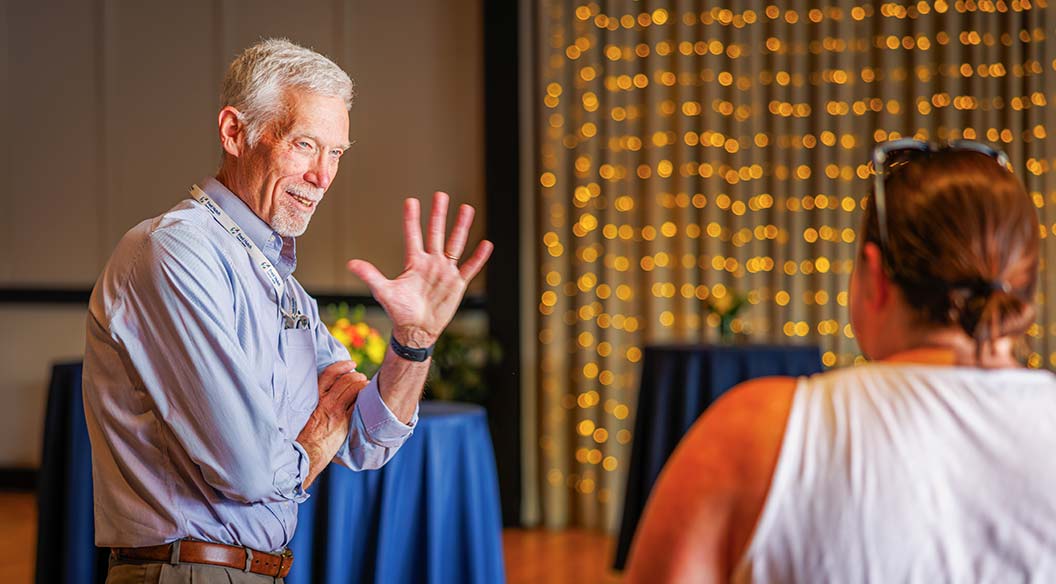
194,393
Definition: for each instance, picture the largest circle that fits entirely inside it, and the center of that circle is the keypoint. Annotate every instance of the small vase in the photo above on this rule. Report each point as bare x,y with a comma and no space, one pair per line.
726,329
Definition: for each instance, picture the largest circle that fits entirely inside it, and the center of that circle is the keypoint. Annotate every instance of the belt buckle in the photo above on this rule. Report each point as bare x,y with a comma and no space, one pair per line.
285,562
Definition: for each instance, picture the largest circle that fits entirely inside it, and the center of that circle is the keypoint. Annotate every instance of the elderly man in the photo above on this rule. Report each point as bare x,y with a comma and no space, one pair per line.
214,395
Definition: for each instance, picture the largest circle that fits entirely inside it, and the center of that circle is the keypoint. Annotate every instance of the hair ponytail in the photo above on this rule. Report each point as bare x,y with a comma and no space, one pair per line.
987,311
964,245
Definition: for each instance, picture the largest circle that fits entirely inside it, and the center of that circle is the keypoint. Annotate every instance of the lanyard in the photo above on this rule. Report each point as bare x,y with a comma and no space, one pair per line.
235,231
293,319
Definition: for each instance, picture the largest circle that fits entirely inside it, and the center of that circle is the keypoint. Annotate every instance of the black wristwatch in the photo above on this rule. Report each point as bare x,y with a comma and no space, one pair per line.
410,353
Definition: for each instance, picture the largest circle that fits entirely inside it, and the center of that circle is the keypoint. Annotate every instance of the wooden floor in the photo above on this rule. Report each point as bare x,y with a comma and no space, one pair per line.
18,535
532,555
558,557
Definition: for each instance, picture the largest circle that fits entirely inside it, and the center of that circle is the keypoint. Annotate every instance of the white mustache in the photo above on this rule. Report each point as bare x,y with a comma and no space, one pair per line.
307,191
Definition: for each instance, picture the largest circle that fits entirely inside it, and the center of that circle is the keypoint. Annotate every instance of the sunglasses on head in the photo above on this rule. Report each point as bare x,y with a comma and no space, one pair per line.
889,156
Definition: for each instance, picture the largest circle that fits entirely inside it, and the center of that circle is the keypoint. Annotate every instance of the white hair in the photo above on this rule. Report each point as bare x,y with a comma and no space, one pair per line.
257,78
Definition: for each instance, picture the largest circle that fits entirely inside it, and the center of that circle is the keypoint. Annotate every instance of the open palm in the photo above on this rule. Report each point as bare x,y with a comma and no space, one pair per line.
422,300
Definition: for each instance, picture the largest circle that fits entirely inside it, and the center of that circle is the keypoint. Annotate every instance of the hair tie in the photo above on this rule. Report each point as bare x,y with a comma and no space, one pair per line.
1000,286
980,288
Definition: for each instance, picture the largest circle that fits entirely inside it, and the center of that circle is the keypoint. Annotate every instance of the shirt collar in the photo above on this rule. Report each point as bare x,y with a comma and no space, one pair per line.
280,251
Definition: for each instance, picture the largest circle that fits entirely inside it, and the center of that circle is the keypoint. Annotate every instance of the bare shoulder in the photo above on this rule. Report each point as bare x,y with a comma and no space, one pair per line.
740,410
705,504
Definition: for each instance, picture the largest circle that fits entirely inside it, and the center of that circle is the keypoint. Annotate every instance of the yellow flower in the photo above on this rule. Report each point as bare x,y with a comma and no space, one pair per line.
723,304
362,329
376,349
341,337
342,323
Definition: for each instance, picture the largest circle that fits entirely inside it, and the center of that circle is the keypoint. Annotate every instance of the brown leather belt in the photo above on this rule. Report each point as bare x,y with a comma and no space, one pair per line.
214,554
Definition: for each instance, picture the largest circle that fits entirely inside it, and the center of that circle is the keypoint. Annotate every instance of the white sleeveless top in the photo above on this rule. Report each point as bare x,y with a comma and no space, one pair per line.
912,473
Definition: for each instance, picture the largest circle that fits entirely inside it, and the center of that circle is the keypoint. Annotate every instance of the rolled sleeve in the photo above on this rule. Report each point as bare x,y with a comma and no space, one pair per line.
383,427
290,483
375,433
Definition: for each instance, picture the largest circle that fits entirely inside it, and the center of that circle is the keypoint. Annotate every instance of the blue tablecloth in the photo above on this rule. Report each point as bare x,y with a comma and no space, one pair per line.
678,383
431,515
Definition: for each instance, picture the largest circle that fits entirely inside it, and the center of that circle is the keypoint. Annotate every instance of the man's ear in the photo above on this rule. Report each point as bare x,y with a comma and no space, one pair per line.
232,132
876,285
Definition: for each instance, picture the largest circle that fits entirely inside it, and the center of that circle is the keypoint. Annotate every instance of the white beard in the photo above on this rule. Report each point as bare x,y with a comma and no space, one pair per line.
289,220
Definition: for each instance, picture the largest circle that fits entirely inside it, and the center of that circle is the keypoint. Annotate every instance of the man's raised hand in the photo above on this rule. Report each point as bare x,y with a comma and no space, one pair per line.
422,300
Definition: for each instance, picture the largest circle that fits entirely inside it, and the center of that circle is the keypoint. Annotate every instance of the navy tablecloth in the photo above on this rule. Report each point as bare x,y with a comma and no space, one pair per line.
678,383
66,553
430,515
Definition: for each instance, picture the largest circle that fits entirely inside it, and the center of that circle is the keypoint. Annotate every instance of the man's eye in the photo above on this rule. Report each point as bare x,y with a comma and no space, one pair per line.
304,144
337,153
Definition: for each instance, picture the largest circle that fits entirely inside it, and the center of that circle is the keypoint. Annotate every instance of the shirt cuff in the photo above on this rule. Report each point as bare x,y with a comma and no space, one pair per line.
382,426
297,493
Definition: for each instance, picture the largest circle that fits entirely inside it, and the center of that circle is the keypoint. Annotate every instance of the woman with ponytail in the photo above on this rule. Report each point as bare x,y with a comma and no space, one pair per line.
931,463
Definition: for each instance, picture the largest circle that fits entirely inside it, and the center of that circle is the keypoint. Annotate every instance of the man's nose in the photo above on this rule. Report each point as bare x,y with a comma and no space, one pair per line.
320,174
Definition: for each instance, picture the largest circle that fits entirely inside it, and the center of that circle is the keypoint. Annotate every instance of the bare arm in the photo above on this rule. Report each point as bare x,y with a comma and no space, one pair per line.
704,507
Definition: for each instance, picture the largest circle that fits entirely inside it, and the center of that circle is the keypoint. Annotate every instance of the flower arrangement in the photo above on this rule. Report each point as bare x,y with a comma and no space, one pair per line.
725,307
364,343
460,359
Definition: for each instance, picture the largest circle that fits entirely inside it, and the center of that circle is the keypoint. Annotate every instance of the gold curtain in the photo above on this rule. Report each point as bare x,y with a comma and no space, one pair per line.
690,152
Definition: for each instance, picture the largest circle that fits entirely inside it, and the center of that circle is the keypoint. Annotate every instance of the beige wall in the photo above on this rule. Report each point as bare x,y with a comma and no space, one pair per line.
108,114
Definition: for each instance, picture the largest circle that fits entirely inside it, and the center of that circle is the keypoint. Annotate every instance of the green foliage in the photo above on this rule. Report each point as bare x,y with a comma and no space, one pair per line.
460,364
726,308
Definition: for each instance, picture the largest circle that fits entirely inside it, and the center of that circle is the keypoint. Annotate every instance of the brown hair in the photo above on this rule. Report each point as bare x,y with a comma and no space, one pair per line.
963,243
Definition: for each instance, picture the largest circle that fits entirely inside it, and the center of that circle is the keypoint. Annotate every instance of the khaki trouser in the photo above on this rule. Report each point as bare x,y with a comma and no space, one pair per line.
146,572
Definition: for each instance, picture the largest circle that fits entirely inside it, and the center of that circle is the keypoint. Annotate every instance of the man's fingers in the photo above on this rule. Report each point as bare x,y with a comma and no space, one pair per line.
368,273
456,244
349,386
351,403
480,256
331,373
412,229
437,224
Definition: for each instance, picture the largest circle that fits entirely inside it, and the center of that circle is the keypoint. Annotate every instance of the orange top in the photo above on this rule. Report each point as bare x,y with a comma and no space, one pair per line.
708,499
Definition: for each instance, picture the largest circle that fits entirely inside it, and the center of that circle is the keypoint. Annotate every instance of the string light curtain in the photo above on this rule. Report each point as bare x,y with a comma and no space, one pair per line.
690,152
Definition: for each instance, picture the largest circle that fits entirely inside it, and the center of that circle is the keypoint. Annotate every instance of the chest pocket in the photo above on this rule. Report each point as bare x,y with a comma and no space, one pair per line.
301,393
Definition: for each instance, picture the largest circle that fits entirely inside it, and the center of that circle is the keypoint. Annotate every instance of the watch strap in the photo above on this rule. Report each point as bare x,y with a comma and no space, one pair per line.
410,353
